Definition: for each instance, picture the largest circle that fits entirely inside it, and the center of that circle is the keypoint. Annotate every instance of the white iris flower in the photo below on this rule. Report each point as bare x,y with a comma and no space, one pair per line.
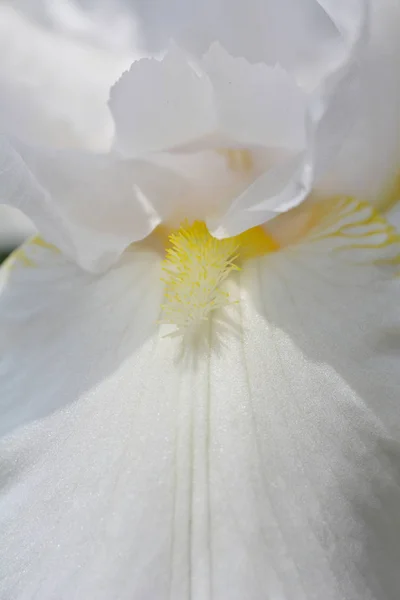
199,352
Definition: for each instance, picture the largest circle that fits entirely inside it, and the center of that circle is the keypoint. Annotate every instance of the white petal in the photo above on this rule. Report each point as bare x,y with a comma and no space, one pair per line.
331,111
90,206
54,86
218,101
257,105
264,467
161,104
370,158
223,101
300,35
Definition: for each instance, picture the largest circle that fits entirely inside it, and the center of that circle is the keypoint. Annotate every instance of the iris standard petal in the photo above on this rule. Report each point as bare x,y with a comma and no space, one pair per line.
262,464
217,101
175,105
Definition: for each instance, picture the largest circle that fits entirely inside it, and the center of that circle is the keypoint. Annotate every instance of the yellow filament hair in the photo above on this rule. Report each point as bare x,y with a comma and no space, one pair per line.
196,266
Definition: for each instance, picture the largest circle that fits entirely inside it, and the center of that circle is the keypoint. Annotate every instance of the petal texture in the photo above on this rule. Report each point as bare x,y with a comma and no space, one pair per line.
262,465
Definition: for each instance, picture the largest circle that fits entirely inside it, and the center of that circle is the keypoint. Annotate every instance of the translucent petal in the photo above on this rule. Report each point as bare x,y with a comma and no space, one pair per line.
174,106
215,102
256,105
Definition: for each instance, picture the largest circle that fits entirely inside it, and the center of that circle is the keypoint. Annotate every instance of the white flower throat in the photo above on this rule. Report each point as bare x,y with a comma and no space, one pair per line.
197,264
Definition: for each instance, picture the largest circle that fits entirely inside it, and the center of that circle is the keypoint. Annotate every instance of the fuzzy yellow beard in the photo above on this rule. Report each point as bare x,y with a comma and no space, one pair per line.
197,265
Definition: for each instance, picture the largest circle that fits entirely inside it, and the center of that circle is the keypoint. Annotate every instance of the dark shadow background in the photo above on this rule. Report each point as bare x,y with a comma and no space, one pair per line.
3,255
4,252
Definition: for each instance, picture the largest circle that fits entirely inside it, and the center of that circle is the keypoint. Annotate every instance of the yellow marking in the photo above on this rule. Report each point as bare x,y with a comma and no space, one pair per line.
345,215
20,255
353,225
239,160
197,265
39,241
255,242
343,218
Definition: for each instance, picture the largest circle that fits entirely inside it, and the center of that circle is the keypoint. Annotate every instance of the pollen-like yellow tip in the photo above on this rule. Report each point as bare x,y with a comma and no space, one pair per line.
196,266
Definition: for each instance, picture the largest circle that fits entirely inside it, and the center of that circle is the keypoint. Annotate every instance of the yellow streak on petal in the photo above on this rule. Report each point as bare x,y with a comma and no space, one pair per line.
354,221
39,241
239,160
351,227
338,217
20,256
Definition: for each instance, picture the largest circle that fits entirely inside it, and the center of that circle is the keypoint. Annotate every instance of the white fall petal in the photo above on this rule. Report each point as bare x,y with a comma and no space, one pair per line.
263,465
